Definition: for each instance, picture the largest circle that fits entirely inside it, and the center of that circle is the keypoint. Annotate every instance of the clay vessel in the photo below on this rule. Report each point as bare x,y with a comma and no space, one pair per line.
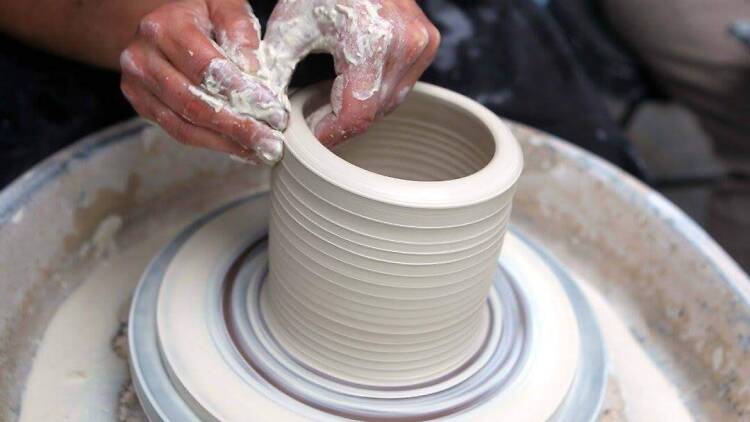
382,251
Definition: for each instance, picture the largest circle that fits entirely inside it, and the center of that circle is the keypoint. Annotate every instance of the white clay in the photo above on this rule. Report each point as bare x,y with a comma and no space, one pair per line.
76,375
383,281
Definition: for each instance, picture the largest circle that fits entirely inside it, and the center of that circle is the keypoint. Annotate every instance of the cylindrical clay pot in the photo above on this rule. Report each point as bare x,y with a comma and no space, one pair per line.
382,252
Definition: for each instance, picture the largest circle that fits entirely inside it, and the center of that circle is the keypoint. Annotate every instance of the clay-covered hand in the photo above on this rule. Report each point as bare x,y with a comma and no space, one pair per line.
380,49
189,68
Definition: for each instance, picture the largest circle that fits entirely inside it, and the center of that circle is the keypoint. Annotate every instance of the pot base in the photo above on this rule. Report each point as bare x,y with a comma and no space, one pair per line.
197,322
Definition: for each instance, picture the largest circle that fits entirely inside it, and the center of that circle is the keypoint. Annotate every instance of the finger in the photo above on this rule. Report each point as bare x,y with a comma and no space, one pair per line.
179,33
409,78
365,83
356,113
418,40
237,30
151,108
187,47
191,104
402,52
400,69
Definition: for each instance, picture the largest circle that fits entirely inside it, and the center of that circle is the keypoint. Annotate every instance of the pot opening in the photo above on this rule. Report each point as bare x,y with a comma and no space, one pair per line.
425,139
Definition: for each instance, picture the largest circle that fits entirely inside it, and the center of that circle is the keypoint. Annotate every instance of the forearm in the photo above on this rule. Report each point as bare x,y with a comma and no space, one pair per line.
92,31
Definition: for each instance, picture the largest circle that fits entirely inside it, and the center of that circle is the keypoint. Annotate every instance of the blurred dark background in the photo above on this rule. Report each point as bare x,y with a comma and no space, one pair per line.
555,65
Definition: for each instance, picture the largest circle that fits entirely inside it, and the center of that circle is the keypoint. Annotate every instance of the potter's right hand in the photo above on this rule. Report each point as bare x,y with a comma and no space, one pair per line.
380,48
173,73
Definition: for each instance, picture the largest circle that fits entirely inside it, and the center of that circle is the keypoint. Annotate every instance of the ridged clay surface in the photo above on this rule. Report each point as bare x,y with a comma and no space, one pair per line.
382,252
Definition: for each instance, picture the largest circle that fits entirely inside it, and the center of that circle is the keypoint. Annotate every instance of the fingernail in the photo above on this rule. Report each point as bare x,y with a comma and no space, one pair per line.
270,150
244,160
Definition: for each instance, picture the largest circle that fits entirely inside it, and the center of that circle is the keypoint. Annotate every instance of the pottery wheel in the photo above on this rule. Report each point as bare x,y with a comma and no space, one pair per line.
201,348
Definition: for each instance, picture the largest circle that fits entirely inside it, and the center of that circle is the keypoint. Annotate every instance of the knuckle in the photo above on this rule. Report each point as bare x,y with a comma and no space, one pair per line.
418,38
185,27
239,25
151,26
435,38
171,18
185,15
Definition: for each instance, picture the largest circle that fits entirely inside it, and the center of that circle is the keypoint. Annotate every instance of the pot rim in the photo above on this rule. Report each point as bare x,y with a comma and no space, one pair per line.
498,176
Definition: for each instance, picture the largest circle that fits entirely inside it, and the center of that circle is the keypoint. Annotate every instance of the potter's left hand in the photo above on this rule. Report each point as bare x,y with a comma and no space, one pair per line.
380,49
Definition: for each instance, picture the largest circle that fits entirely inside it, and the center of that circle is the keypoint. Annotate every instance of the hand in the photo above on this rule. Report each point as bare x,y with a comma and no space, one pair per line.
231,96
380,49
199,90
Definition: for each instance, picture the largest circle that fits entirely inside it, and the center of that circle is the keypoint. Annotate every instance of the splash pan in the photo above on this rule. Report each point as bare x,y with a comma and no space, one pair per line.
232,347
